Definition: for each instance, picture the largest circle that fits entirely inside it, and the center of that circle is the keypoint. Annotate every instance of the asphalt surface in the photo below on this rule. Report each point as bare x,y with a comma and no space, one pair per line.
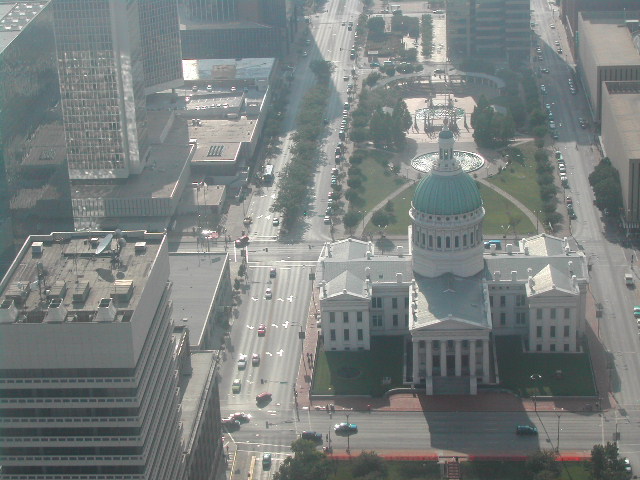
273,427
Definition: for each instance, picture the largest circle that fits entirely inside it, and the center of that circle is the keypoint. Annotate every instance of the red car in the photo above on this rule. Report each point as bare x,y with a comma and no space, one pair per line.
262,330
263,397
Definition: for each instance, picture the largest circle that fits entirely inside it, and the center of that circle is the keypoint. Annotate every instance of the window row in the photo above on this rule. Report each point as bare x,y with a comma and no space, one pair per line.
446,242
552,347
553,313
566,331
377,302
346,334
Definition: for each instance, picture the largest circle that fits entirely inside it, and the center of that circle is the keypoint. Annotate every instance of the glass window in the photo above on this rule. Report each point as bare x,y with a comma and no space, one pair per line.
503,318
395,320
566,347
552,347
394,303
359,317
538,313
538,348
538,332
332,335
332,317
360,334
567,313
503,300
346,334
552,331
376,302
345,317
552,313
566,330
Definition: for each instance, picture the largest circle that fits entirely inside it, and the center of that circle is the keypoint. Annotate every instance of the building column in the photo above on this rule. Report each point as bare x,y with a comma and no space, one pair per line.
458,346
472,357
429,372
443,358
416,362
485,361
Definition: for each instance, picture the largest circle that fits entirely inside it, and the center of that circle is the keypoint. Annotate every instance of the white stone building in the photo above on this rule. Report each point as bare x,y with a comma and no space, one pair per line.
450,295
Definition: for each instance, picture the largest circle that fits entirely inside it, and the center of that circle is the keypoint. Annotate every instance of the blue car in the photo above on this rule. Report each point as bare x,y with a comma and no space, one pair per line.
345,428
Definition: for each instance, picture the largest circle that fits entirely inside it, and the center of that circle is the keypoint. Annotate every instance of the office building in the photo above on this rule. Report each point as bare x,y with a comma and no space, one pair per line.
34,185
450,295
236,28
160,40
494,29
616,60
569,10
88,370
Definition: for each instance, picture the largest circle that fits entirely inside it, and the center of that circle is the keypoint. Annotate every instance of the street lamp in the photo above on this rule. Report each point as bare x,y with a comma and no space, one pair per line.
558,414
349,436
535,378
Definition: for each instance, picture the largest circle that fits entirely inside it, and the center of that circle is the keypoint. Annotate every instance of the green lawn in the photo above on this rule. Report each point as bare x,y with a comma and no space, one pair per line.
516,368
498,209
384,359
379,180
477,470
519,179
501,212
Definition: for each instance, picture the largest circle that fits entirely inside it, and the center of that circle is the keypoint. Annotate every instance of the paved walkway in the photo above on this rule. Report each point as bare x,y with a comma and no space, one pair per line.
358,231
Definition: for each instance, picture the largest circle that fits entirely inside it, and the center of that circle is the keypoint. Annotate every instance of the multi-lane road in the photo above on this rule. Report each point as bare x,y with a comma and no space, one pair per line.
275,425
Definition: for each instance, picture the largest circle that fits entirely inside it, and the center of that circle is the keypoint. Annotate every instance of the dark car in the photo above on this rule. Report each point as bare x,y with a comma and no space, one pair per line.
345,428
526,430
263,397
313,436
230,423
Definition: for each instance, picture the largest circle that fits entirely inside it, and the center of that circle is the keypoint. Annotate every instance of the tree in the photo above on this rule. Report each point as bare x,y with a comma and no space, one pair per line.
380,218
307,463
543,465
605,182
368,463
606,463
322,70
351,219
376,27
372,79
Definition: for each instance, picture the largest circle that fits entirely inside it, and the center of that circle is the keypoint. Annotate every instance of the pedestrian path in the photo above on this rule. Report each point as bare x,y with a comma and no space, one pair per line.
530,215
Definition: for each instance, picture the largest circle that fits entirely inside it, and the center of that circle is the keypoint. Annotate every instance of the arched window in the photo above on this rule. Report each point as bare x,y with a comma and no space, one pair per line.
448,242
471,239
464,240
423,239
457,241
439,242
430,241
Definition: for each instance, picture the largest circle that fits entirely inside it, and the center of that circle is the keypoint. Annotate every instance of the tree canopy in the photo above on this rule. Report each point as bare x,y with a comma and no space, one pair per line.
307,463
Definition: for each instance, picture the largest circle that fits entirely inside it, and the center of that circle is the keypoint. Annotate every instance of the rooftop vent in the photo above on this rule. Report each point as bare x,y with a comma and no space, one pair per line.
56,312
140,247
81,292
106,311
37,248
8,311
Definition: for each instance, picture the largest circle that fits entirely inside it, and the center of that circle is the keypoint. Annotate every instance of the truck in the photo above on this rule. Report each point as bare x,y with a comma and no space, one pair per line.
628,279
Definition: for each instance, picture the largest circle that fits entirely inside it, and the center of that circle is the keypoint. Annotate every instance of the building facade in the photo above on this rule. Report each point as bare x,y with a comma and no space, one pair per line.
497,29
160,42
88,365
34,184
102,87
236,29
450,295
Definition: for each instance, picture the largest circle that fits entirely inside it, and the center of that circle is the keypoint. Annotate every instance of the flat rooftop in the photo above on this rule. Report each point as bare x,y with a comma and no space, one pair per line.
618,49
195,390
79,269
227,69
625,103
15,16
438,298
160,178
195,280
214,131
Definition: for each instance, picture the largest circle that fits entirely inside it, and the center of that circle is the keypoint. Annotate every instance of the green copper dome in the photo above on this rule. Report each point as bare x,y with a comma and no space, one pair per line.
447,194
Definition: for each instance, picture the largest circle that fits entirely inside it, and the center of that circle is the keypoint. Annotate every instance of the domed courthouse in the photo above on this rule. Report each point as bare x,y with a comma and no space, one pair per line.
449,296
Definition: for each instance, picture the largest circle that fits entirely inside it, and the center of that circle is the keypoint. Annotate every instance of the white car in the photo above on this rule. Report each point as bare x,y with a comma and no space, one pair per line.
242,362
627,464
327,220
275,222
268,294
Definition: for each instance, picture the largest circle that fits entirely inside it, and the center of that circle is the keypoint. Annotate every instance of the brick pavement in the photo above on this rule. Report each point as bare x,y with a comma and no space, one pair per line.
484,401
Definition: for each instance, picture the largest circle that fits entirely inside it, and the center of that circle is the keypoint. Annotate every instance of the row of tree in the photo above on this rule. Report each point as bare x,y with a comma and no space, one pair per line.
405,25
545,177
427,35
295,180
307,463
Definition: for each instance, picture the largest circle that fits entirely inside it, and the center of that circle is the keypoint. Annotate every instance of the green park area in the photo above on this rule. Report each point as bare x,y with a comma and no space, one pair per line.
473,470
519,178
501,215
360,372
556,374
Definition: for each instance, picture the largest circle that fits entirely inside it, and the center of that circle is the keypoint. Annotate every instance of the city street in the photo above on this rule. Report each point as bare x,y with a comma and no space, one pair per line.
274,426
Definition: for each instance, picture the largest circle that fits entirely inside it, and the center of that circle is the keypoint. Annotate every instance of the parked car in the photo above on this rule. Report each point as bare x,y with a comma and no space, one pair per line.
275,222
268,294
230,424
255,359
262,330
241,417
327,220
526,430
272,272
266,460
